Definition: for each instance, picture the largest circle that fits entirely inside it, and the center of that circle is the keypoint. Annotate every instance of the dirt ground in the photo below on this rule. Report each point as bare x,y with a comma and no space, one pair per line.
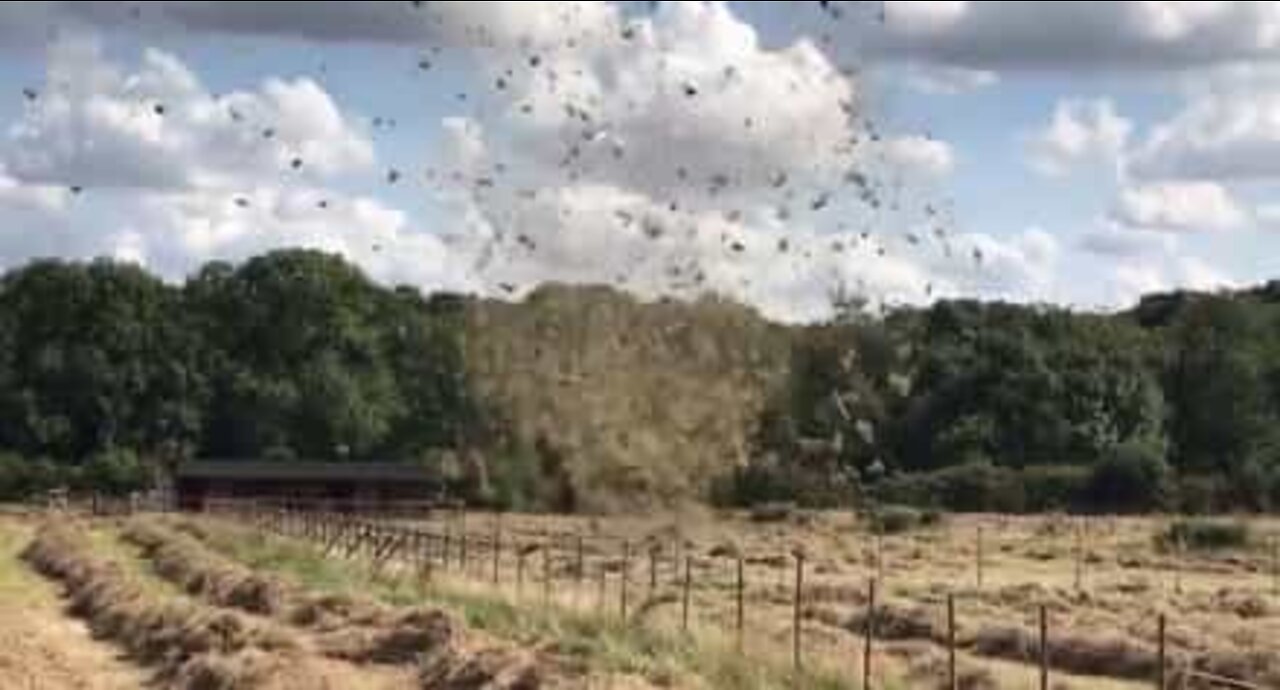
41,648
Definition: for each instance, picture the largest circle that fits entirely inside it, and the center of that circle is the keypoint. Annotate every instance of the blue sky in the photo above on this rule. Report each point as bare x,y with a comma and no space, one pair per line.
1076,153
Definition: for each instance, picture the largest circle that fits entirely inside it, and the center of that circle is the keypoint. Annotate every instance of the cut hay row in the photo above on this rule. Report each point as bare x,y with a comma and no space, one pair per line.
193,647
347,628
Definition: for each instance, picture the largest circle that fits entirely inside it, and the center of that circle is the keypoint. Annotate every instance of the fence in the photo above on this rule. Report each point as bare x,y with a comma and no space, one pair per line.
434,545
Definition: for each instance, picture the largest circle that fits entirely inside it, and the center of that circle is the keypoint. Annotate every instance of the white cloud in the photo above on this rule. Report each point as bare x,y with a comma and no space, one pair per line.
177,231
920,154
1080,131
92,169
1013,35
158,128
1229,129
1190,206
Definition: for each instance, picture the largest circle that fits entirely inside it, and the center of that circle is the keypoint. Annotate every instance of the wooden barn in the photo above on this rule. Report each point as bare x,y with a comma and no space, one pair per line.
364,486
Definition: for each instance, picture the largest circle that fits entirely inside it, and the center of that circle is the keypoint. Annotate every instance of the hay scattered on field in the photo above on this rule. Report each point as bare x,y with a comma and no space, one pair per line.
194,647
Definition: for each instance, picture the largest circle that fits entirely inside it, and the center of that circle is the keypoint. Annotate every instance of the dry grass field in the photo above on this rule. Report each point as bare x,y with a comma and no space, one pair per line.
212,602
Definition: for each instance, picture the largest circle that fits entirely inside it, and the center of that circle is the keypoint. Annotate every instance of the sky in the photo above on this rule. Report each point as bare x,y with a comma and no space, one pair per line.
777,153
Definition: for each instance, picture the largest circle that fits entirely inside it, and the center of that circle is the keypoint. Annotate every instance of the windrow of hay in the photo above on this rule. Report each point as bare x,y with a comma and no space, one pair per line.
193,646
347,628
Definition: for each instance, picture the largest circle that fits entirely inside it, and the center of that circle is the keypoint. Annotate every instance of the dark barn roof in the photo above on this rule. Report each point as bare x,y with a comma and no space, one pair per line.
304,471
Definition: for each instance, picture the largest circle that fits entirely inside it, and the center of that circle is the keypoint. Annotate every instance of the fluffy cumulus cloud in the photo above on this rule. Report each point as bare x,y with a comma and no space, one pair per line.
146,165
675,153
159,128
1080,131
668,151
1182,206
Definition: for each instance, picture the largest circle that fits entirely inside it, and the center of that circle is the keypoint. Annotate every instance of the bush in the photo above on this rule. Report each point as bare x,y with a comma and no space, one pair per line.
1204,535
116,472
1132,478
894,519
1054,488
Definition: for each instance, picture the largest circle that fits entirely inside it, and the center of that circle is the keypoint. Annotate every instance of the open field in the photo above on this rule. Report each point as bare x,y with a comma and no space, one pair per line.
1103,584
217,601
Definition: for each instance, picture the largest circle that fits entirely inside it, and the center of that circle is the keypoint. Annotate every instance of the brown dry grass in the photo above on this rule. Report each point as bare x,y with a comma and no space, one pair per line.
351,629
191,646
40,647
1224,615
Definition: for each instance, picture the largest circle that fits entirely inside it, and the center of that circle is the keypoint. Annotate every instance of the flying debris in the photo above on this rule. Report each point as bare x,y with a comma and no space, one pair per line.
779,180
30,94
393,176
628,33
783,246
500,84
76,189
507,287
424,64
242,202
738,246
690,89
296,163
323,203
158,109
534,61
820,202
377,247
977,255
269,133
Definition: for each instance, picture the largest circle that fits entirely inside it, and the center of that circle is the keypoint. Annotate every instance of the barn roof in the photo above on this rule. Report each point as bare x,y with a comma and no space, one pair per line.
304,470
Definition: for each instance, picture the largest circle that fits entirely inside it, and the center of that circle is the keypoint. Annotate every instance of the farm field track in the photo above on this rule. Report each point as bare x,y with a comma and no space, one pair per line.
1103,584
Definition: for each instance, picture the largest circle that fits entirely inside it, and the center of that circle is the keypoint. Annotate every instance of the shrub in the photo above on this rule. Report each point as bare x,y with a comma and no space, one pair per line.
1054,488
895,519
115,472
1132,478
1204,535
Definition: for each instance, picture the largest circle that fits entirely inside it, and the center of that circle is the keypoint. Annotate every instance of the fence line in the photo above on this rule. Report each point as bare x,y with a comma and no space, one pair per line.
382,541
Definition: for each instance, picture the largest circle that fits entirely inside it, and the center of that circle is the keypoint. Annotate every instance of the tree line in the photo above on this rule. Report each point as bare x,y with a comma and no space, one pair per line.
1173,405
108,373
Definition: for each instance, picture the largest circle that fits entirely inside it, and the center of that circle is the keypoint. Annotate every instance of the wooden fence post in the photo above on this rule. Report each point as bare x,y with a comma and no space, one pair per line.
953,681
626,576
1079,555
520,556
1160,652
546,571
740,618
601,593
1275,566
1044,647
580,563
980,556
869,627
653,569
684,598
497,550
798,603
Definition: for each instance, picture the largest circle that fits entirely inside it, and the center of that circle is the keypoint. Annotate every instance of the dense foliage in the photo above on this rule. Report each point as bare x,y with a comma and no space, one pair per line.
1173,406
107,373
